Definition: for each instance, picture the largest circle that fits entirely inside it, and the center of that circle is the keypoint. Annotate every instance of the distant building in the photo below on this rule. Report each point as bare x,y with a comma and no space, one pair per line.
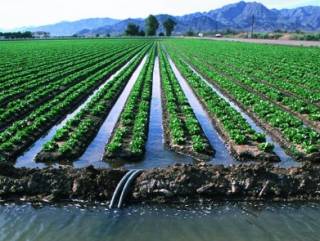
40,34
200,35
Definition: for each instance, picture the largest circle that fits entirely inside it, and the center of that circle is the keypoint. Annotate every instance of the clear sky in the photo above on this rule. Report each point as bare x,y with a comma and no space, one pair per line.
18,13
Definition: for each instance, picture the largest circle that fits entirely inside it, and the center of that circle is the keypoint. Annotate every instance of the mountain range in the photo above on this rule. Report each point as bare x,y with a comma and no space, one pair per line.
236,16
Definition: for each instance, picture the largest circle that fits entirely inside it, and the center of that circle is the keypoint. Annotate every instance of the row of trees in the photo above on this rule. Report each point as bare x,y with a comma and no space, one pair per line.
16,35
151,26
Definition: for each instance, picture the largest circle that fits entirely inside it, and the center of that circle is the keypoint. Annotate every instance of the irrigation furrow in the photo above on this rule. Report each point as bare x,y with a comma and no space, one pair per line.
18,137
28,158
93,154
183,132
286,160
21,108
157,154
54,75
300,141
71,141
304,118
222,155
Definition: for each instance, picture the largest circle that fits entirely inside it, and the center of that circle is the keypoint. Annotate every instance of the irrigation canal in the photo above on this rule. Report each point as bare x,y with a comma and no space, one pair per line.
228,221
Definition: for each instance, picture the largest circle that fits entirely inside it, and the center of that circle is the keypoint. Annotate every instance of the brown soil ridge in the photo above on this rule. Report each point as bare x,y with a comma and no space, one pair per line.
174,184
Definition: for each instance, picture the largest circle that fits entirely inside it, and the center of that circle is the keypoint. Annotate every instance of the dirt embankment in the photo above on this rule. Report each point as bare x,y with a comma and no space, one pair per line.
179,183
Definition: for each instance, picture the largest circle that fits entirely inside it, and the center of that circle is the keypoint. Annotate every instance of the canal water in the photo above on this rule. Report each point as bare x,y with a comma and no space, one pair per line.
215,222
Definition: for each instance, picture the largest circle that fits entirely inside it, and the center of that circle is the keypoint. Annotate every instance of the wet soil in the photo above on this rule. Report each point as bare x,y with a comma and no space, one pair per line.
180,183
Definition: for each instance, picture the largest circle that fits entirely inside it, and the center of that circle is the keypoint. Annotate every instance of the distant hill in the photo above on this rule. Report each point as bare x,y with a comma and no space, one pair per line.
69,28
236,16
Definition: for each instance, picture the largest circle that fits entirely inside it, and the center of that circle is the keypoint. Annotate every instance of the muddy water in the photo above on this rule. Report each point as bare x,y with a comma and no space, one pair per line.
217,222
222,155
27,159
286,161
94,153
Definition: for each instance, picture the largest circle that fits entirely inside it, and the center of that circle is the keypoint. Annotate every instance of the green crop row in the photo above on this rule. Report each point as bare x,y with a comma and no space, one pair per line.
303,139
71,141
22,60
183,127
19,108
21,134
234,125
240,73
294,70
129,138
19,87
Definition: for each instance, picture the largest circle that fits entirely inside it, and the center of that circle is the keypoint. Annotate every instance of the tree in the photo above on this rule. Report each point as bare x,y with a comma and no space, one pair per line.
190,33
142,33
169,25
132,30
152,25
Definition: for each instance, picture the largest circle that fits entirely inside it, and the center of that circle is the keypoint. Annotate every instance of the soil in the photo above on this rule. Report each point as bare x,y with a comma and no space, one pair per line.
174,184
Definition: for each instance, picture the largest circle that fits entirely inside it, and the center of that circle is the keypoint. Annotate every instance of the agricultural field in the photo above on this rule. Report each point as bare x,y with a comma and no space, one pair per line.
88,102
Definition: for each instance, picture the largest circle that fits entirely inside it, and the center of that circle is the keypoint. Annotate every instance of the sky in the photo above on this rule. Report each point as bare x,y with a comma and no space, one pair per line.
20,13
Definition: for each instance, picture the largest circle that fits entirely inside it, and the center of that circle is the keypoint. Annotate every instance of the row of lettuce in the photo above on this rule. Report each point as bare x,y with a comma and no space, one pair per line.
183,132
128,140
230,124
42,91
300,140
25,130
129,137
25,59
71,141
47,97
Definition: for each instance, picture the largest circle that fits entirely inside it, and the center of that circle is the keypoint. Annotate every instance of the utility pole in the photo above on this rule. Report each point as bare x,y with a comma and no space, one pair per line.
252,25
216,27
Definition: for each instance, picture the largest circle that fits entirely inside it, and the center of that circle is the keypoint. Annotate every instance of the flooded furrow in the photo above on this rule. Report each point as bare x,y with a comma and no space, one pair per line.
27,159
94,153
222,155
286,160
157,154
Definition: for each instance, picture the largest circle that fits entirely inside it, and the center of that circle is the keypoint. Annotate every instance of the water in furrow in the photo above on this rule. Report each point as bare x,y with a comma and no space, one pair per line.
286,160
27,159
222,155
157,154
94,153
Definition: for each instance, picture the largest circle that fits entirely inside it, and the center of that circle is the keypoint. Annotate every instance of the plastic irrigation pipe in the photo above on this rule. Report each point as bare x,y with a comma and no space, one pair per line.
119,186
127,185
